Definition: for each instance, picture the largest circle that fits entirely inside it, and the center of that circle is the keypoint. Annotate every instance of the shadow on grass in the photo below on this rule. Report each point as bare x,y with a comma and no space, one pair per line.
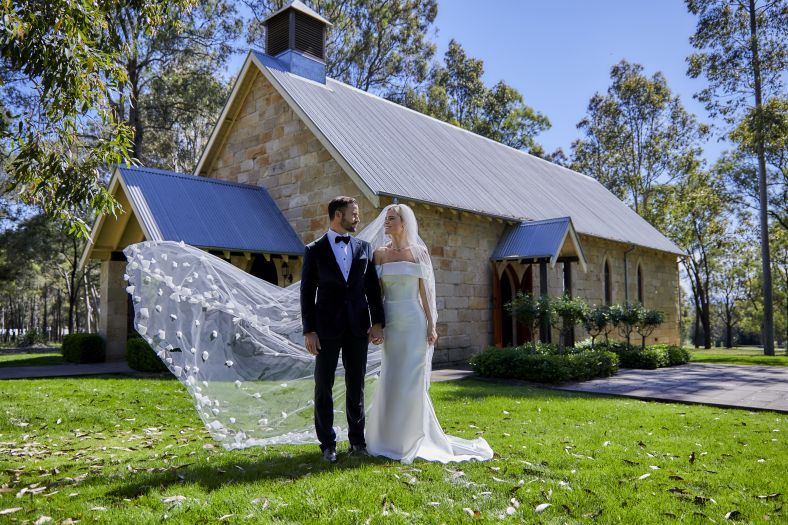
270,466
39,360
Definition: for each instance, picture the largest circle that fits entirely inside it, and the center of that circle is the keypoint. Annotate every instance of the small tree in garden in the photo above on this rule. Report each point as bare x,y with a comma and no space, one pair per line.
625,318
596,321
545,307
648,321
525,309
568,312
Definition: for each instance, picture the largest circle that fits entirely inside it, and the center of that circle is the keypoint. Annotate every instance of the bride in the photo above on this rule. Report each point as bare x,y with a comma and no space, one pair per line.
235,343
402,423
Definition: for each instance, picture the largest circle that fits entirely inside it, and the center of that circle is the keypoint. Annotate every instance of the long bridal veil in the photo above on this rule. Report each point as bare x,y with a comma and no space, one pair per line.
235,341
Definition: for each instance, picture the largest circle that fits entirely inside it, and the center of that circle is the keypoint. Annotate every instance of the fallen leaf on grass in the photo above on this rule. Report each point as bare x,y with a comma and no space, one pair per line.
226,517
99,509
692,457
676,478
10,510
702,500
541,507
174,499
770,496
732,515
644,476
472,513
69,521
263,502
510,511
42,520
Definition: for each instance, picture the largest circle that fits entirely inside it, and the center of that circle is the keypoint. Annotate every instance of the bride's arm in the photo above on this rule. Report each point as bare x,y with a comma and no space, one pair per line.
432,335
377,259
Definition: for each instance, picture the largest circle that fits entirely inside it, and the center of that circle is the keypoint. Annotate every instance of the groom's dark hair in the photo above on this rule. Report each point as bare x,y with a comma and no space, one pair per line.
339,203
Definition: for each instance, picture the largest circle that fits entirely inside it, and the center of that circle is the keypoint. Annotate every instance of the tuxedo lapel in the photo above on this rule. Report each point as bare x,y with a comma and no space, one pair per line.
356,246
330,258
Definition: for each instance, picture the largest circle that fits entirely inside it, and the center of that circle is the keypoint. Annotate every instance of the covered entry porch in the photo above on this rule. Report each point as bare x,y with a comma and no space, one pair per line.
237,222
525,262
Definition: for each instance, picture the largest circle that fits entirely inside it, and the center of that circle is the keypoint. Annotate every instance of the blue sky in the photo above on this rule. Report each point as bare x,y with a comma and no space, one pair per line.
559,53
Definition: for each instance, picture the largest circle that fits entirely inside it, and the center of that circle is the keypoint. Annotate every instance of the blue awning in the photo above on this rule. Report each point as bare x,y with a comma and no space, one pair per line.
546,239
207,213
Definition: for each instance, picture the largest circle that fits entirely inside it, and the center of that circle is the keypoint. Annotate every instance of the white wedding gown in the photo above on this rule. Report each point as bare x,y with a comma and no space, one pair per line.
401,423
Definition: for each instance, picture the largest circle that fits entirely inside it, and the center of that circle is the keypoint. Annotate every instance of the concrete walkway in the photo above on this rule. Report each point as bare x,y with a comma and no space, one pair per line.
739,386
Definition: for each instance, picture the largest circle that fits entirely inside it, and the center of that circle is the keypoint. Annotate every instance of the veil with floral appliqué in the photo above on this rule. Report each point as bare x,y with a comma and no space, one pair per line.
235,341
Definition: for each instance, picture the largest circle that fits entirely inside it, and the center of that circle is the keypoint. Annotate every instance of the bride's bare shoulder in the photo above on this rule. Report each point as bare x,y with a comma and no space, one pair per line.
380,255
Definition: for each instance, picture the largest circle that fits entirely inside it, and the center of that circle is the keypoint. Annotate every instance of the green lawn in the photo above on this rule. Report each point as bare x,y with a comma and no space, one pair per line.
128,450
743,355
37,359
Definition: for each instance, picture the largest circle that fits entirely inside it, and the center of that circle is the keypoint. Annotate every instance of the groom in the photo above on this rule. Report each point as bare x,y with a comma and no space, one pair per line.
341,310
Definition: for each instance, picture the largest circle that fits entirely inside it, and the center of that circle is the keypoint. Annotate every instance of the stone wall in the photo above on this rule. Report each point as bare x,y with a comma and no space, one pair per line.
270,146
660,281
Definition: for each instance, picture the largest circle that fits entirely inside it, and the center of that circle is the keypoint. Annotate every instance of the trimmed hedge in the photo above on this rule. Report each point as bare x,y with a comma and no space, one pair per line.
546,365
83,348
649,358
141,356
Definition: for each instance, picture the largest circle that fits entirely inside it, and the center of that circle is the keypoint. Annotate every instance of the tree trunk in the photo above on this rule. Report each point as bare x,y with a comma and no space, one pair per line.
768,302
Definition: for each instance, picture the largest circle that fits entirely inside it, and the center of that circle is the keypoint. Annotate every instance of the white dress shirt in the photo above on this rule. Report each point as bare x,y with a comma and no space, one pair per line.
342,252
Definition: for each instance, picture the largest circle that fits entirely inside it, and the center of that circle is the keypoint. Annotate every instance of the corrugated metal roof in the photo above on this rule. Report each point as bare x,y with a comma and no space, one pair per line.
208,213
532,239
399,152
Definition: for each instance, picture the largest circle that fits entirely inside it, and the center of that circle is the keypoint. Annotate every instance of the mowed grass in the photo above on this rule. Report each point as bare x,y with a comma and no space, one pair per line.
122,450
743,355
35,359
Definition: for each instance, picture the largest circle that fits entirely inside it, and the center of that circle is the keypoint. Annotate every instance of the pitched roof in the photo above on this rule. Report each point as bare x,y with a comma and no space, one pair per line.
207,213
390,150
540,239
302,7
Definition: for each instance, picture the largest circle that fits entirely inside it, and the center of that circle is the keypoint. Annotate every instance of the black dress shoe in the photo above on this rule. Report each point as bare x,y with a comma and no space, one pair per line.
357,450
330,455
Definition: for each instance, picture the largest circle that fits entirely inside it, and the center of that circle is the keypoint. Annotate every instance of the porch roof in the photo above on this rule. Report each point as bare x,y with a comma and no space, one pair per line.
545,239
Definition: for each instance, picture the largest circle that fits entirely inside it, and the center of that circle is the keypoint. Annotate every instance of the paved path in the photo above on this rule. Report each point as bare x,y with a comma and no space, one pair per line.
65,370
740,386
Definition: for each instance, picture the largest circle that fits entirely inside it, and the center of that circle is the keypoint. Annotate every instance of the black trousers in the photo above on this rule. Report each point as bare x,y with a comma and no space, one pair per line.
354,360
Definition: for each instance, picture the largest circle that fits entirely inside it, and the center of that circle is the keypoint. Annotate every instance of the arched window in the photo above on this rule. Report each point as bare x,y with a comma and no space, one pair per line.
640,284
608,286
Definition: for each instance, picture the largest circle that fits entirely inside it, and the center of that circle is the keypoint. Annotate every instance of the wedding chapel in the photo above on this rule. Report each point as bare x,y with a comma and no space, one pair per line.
498,220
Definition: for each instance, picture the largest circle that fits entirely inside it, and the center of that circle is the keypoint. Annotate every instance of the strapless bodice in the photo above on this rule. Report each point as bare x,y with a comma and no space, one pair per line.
400,280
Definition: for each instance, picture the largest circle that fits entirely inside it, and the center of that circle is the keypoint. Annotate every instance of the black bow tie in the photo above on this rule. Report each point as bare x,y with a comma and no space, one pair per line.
342,238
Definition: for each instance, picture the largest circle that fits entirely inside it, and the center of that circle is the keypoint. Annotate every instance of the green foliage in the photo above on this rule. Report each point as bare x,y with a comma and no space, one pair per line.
597,321
83,348
57,52
625,317
637,138
32,338
650,357
141,356
525,309
724,52
647,321
569,312
548,367
455,92
374,46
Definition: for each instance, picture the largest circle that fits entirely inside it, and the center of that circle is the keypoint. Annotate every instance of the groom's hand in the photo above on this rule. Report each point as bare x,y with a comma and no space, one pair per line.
375,334
312,343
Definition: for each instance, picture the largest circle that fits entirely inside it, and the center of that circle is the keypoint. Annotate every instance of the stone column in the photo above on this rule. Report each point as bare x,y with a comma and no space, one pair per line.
114,308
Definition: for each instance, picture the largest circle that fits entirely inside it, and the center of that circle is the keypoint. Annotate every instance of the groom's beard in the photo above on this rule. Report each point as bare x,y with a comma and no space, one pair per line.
349,226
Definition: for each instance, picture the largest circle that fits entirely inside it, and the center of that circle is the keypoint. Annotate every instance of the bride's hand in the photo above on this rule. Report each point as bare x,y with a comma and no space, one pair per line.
432,335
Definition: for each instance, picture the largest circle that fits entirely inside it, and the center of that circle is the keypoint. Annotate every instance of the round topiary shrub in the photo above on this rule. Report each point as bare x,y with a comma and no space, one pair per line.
141,356
83,348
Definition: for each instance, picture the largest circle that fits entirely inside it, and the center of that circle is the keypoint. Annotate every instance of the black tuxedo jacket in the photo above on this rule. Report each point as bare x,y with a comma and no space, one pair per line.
329,305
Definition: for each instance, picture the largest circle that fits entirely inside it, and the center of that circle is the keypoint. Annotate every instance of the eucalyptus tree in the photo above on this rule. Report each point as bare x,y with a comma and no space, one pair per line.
637,138
455,92
374,46
173,89
55,151
742,51
696,215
